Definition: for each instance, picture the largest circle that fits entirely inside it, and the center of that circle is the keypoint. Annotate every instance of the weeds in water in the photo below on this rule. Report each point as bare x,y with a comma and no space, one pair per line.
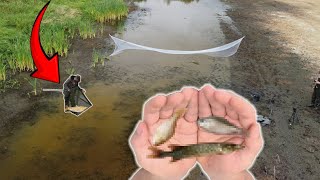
34,83
70,71
87,30
97,57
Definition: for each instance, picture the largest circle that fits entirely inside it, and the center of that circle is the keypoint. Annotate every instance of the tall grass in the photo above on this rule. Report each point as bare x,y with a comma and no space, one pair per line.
3,71
97,57
108,10
86,29
63,20
34,84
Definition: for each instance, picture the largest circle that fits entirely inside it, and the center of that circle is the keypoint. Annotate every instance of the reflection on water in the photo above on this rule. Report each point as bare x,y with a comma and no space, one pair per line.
62,146
185,1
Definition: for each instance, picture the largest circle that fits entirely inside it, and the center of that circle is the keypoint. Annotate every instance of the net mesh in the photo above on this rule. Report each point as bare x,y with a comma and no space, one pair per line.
221,51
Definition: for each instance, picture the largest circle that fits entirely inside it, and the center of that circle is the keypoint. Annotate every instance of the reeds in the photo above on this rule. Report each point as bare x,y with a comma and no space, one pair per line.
54,38
86,29
2,71
34,83
97,57
108,10
21,55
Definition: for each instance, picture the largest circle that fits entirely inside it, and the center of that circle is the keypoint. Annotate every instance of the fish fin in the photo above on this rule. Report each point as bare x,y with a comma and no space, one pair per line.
155,152
174,147
242,146
175,159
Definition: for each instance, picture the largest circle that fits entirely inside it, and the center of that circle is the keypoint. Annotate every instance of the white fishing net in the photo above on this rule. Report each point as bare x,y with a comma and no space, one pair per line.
221,51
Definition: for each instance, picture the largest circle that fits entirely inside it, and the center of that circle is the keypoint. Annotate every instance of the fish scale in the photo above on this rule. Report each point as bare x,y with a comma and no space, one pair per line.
219,125
195,150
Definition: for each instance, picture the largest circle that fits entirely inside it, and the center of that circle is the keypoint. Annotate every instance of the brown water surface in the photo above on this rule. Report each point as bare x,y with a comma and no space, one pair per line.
63,146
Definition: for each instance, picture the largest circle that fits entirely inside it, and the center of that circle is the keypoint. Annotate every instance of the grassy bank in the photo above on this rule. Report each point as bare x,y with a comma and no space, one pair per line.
63,20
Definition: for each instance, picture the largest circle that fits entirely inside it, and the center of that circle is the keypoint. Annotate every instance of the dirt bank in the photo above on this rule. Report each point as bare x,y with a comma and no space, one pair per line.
270,61
277,58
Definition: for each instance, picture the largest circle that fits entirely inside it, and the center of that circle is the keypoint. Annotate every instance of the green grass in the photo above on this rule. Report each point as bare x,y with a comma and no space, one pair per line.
63,20
34,84
97,57
3,71
107,10
70,71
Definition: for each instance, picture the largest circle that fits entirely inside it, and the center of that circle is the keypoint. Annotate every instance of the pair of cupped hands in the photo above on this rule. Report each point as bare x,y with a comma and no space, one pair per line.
208,101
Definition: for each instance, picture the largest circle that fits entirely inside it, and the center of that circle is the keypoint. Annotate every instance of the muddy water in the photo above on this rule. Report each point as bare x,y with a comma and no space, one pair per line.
61,142
172,25
62,146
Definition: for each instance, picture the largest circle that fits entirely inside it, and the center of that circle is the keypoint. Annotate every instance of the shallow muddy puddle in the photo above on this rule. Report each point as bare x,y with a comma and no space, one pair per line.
63,146
175,25
63,143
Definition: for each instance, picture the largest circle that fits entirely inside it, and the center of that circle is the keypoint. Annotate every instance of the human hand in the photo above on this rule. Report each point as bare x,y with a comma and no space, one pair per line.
239,112
155,111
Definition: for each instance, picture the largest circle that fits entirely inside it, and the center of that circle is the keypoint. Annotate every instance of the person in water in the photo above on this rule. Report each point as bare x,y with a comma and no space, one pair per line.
71,91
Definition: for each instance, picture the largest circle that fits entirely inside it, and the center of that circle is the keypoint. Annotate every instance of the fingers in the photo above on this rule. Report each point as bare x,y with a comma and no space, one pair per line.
230,105
151,109
204,107
245,111
254,141
191,102
222,99
216,101
173,100
139,138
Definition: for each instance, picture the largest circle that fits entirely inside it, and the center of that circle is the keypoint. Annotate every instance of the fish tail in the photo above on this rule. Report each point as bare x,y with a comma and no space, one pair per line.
245,133
180,112
240,146
156,153
175,159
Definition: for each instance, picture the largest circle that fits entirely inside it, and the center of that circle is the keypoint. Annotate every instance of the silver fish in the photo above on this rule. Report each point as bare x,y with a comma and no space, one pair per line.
219,125
166,130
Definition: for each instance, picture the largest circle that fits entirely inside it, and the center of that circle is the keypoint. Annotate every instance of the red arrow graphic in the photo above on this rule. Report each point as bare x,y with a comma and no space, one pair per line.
47,68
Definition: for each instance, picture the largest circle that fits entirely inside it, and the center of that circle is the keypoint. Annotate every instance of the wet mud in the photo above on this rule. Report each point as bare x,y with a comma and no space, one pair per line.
43,142
270,62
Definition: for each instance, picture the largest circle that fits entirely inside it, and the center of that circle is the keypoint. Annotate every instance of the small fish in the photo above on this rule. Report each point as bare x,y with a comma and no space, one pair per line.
219,125
166,130
194,150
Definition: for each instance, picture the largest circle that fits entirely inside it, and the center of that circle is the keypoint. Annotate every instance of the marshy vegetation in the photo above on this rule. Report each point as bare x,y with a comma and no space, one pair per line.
97,57
35,86
63,20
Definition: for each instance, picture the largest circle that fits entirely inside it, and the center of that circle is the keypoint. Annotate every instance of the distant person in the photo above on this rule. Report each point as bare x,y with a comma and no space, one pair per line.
71,91
315,100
